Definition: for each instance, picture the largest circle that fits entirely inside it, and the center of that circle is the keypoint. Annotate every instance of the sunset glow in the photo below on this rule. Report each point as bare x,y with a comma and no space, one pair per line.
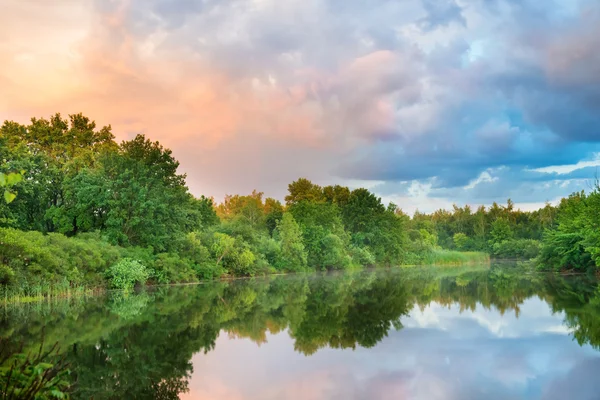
427,102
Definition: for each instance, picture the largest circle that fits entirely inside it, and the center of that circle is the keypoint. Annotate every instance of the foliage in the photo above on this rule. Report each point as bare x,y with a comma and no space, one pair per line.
7,181
126,273
573,244
517,248
293,255
33,375
85,202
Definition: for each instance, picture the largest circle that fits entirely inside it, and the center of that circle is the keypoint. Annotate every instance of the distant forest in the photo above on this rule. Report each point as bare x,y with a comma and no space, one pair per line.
80,209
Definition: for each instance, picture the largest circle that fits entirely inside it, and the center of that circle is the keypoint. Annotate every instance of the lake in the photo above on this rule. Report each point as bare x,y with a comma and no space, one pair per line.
498,332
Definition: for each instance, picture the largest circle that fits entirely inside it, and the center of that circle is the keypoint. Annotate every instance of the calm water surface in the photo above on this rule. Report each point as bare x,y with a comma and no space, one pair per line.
446,333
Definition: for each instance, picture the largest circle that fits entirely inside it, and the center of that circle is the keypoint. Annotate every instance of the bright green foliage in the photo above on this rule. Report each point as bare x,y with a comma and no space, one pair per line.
517,248
145,197
49,151
362,256
248,210
317,221
500,231
7,181
241,262
41,375
126,273
573,243
222,245
170,268
293,255
461,241
85,202
335,255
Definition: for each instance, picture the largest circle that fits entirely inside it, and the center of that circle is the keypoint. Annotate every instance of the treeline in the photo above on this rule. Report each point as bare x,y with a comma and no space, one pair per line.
80,208
86,208
561,237
500,230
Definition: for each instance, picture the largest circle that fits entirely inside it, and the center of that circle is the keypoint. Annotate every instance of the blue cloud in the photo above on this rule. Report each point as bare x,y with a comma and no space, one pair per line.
441,13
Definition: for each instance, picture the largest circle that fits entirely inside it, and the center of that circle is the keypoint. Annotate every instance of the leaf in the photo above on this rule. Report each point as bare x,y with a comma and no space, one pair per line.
2,179
9,196
13,178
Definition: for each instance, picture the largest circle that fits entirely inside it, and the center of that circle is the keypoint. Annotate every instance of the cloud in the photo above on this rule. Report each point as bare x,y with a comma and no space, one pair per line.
254,94
442,352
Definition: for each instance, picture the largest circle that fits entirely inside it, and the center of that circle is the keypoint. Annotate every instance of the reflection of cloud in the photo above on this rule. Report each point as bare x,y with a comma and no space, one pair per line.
583,377
212,389
535,319
440,353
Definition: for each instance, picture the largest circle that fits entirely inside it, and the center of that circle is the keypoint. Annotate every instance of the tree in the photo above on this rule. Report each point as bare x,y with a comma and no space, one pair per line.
249,208
501,231
293,253
303,190
362,211
337,195
50,151
273,213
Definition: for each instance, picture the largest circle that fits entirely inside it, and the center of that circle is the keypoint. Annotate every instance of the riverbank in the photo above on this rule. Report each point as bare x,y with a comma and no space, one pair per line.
36,266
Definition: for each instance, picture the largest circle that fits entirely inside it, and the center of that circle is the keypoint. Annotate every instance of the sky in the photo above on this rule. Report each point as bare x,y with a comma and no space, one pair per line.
425,102
440,353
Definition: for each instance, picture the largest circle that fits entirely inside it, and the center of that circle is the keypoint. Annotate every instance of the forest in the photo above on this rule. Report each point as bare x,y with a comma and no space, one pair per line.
81,210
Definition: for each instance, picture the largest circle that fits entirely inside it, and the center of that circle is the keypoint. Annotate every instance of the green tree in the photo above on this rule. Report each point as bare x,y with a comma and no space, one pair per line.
461,241
273,213
362,211
501,231
303,190
293,254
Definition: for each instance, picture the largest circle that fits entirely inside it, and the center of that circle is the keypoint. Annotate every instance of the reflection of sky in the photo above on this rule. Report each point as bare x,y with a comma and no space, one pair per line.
440,353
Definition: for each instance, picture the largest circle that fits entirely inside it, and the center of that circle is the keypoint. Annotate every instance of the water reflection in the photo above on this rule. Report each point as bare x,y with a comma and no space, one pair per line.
430,333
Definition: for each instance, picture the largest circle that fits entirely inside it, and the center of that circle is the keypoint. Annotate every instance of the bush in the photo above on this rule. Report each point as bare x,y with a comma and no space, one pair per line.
241,262
362,256
517,248
208,270
461,241
169,268
126,273
334,253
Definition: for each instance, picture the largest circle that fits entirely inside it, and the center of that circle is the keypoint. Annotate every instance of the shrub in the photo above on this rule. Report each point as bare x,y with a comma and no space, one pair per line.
241,262
208,270
461,241
517,248
334,253
170,268
362,256
126,273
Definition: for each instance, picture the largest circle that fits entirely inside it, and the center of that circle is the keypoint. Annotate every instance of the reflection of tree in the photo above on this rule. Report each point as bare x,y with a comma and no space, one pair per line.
579,298
141,346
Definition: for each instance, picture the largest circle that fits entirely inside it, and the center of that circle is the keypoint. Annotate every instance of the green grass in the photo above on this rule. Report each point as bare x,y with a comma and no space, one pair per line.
35,292
451,257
